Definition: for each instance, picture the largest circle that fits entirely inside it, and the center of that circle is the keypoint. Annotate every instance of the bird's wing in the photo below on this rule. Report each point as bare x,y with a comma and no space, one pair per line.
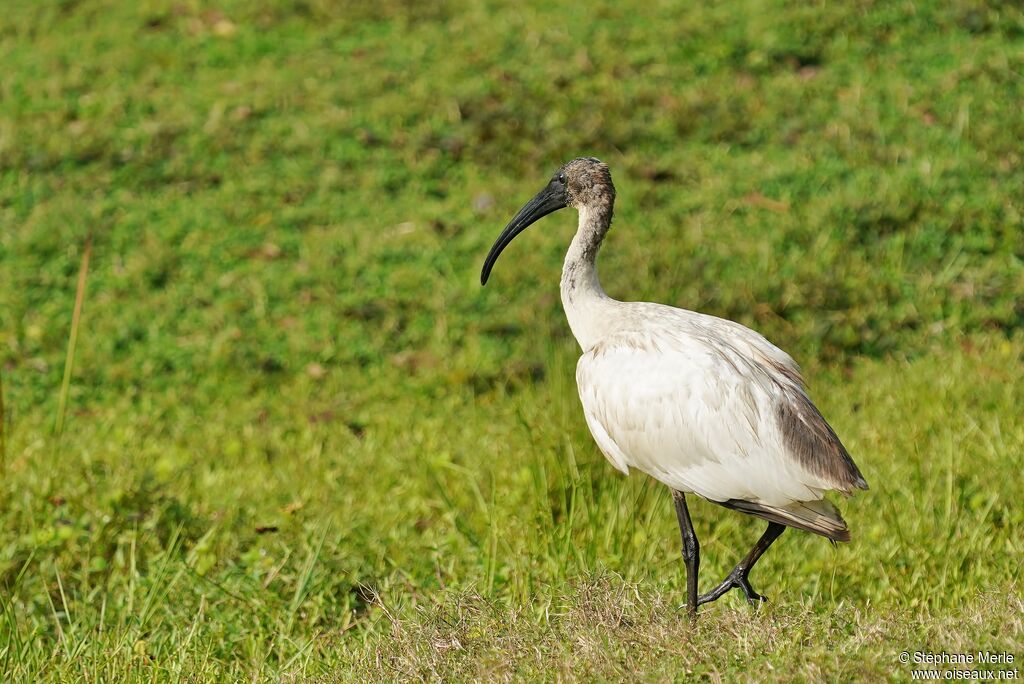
709,415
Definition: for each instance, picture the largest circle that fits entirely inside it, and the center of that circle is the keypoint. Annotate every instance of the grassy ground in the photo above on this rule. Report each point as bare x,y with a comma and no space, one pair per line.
302,443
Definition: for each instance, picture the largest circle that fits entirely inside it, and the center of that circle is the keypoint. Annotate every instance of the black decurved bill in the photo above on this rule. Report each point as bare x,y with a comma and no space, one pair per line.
550,199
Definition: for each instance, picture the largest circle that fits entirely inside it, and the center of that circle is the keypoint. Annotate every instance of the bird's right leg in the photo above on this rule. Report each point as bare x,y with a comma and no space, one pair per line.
738,578
691,552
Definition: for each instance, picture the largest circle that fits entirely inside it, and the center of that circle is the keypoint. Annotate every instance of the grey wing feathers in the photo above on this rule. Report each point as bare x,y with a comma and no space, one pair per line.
814,444
819,517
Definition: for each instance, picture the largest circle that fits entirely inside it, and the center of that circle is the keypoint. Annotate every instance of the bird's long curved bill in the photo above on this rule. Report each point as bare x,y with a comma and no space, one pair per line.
550,199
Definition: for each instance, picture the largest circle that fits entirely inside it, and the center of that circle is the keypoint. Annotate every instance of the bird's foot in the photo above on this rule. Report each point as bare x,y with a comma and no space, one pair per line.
737,579
753,598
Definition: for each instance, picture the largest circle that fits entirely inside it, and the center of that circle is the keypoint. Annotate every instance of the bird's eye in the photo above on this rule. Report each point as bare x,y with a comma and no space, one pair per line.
561,178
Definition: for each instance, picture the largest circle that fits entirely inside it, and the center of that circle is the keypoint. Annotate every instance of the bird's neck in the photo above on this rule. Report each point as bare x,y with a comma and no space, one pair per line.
583,298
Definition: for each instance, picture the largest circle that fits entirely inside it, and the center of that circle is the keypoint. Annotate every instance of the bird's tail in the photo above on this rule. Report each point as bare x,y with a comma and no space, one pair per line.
820,517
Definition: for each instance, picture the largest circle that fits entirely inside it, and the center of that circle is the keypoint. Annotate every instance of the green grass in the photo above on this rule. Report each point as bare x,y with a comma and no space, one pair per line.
300,442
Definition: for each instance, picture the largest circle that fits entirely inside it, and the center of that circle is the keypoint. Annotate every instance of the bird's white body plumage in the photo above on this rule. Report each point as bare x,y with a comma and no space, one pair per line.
687,398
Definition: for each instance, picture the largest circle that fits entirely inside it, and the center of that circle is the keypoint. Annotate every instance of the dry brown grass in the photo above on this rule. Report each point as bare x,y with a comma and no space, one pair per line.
607,629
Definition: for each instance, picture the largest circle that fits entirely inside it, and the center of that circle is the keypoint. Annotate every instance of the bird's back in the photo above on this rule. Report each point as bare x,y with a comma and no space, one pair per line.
709,406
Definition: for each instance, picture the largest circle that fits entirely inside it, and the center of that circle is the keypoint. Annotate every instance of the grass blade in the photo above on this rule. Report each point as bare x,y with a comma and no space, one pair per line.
76,318
3,425
302,585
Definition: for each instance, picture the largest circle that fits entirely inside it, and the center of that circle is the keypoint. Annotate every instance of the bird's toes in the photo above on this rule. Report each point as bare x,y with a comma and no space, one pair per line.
755,599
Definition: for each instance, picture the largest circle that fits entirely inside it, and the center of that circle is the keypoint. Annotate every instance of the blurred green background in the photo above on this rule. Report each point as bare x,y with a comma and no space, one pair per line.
302,442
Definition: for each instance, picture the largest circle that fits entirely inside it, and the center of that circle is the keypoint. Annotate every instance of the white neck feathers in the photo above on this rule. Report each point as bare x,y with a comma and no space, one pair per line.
583,299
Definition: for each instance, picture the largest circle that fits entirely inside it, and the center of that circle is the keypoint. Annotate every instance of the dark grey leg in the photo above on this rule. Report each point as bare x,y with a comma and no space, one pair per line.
691,552
738,577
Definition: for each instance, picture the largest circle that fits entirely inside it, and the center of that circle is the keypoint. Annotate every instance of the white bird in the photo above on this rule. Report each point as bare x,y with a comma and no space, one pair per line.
699,403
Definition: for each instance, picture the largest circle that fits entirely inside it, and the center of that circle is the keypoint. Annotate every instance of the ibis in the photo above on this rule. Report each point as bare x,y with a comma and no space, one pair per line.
702,404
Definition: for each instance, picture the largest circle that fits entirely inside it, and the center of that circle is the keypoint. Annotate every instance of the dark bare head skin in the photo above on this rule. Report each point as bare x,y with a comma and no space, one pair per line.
588,183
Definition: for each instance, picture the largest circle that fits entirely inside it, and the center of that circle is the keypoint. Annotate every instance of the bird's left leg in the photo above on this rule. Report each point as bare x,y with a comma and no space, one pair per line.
691,552
738,578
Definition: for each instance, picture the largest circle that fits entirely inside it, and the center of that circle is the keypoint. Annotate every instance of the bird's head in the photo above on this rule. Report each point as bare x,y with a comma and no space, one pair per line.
583,183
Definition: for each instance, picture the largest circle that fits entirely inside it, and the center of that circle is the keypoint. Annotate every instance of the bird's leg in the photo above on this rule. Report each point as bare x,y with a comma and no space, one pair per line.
738,577
691,552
